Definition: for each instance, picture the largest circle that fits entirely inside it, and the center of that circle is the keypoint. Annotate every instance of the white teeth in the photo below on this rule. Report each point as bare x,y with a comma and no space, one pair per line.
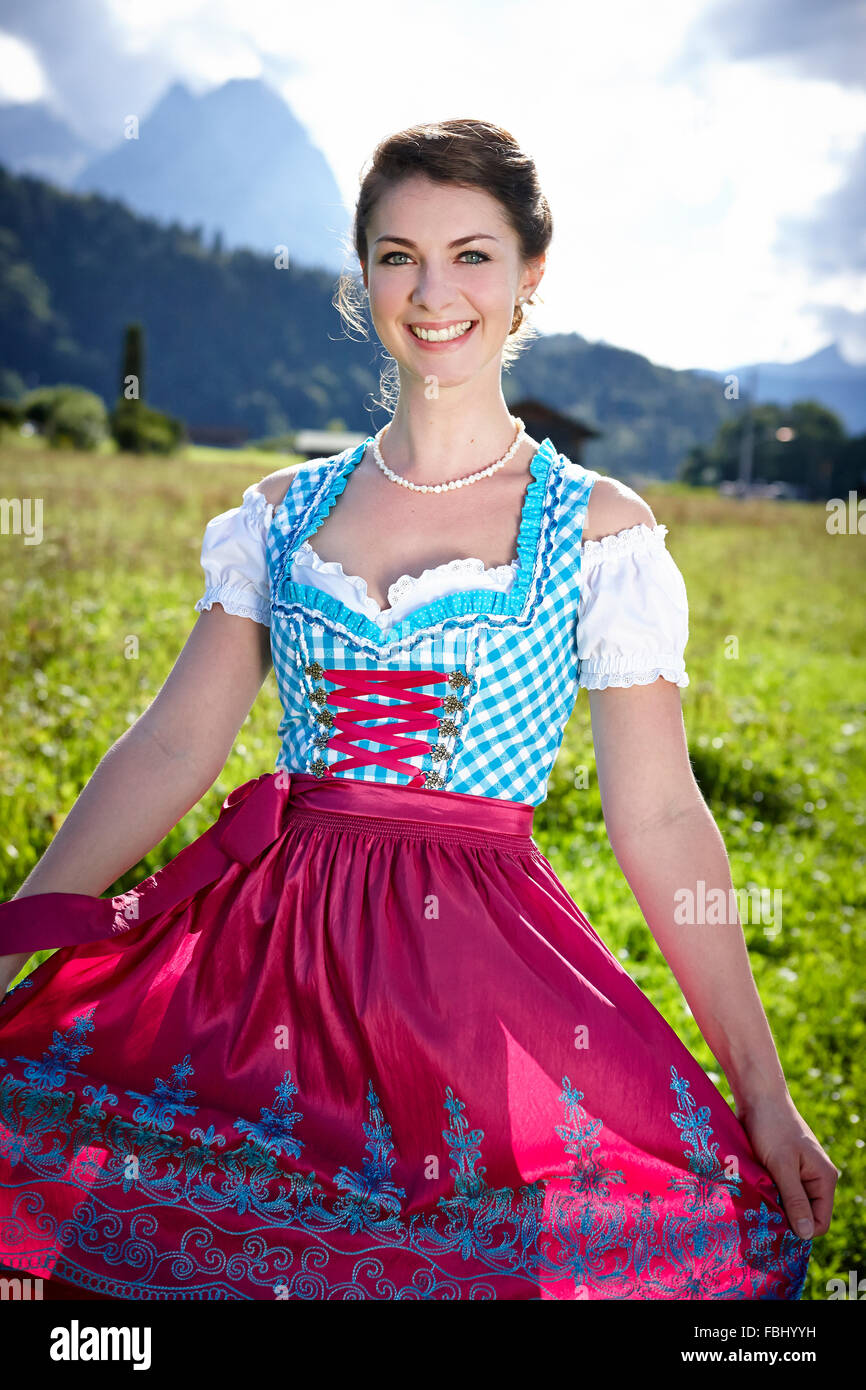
441,335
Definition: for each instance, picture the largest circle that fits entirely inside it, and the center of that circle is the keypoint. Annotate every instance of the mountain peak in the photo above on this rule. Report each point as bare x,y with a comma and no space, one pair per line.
177,95
829,357
236,160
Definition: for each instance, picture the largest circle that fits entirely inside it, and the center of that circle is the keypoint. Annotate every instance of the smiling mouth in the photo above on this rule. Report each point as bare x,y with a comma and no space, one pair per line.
441,335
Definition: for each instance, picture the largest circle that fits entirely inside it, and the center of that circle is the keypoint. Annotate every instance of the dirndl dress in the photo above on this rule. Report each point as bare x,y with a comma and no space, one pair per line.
357,1040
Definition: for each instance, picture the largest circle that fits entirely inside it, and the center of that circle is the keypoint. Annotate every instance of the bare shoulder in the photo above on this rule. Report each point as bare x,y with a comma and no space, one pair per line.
614,507
275,486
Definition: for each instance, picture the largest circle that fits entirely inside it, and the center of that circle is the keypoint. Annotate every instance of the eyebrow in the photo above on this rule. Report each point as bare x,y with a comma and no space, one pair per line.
404,241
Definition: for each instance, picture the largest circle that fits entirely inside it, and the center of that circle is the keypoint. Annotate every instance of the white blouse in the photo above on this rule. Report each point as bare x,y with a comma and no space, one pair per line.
632,611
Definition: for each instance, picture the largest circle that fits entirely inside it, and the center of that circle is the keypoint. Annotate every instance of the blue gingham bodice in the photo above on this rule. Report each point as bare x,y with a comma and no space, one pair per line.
475,686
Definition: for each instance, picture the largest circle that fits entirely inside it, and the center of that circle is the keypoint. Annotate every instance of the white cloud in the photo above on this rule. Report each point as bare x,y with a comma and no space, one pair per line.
21,75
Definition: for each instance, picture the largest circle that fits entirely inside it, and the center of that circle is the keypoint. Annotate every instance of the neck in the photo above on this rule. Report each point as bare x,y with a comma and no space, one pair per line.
437,440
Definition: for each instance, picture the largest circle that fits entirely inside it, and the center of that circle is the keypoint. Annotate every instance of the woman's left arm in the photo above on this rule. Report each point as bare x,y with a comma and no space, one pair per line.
665,840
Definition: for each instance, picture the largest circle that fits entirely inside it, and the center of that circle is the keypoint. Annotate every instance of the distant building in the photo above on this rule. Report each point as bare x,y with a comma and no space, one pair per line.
773,491
315,444
218,436
567,434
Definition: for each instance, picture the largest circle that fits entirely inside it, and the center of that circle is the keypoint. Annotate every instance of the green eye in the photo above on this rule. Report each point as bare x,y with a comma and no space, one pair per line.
387,259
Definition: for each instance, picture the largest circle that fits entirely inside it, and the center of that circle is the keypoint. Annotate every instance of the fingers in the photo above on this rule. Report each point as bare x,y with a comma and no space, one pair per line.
795,1201
807,1191
819,1178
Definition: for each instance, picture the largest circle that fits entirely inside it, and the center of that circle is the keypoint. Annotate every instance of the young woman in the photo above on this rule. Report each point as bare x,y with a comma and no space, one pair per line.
357,1039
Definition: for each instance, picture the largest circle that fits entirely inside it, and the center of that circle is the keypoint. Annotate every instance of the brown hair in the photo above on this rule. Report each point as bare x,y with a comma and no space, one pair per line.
474,154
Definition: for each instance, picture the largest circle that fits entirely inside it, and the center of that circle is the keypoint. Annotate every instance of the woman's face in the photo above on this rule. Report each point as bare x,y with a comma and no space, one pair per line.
441,257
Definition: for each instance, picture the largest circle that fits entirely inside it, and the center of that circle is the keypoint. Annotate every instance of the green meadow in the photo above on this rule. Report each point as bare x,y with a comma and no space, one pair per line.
775,713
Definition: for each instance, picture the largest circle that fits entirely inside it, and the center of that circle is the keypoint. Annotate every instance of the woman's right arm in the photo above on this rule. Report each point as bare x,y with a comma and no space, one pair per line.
160,767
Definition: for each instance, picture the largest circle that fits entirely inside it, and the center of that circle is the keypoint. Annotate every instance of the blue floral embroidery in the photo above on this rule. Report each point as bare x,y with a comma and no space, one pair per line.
551,1233
373,1201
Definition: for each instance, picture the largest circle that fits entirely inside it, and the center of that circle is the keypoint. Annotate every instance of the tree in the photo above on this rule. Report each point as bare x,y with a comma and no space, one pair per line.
68,416
79,421
132,372
135,427
804,444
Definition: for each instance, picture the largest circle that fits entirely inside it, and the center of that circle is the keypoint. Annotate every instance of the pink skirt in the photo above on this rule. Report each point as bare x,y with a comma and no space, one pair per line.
358,1041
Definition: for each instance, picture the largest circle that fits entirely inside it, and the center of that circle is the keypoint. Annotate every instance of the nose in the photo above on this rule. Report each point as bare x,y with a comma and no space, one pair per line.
433,289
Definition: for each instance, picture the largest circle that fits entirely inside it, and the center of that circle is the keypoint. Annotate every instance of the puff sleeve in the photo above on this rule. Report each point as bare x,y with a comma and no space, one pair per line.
633,616
234,559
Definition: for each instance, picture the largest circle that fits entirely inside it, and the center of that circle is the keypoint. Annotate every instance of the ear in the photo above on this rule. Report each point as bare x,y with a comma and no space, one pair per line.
532,275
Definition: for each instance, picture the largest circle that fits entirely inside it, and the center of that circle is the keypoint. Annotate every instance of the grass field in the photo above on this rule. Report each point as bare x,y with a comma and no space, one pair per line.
775,720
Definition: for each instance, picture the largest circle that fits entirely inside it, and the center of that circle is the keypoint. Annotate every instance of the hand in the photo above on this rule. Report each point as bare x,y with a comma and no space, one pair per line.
802,1171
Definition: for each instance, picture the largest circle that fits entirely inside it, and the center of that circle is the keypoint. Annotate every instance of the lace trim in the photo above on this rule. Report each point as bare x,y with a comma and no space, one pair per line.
629,541
235,601
407,583
601,680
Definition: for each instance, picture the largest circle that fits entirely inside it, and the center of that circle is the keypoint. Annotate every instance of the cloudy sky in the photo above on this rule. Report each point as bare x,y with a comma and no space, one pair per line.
705,160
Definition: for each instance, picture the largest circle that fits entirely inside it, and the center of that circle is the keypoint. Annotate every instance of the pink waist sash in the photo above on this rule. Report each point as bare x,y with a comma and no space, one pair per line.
252,817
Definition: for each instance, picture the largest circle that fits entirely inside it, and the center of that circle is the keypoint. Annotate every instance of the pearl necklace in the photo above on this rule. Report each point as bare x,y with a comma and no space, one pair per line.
455,482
